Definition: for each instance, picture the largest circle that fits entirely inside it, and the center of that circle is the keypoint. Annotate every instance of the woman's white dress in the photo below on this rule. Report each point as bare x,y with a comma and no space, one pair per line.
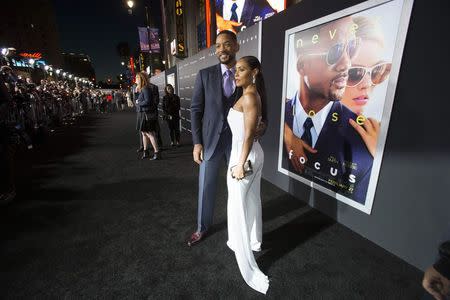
244,207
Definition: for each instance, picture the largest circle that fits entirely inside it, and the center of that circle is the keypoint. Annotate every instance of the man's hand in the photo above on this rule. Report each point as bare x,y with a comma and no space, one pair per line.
436,284
296,148
369,132
260,130
198,153
226,25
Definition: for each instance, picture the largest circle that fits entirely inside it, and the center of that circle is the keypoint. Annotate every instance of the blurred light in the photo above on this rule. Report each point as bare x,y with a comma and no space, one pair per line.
58,71
5,51
31,61
123,64
64,74
46,68
130,3
164,62
70,76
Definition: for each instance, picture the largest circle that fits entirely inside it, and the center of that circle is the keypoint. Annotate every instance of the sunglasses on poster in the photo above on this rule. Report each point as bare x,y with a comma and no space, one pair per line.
334,54
377,73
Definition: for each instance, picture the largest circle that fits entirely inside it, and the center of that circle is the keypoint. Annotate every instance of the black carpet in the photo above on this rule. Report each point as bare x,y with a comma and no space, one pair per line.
93,221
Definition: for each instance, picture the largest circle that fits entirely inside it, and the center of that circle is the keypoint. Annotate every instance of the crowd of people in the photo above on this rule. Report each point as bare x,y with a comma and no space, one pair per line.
30,110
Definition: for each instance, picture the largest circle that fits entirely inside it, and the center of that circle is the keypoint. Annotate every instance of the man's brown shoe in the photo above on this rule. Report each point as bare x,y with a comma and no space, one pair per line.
195,238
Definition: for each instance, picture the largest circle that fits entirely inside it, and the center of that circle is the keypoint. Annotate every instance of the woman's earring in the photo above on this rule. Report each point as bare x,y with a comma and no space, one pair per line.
254,80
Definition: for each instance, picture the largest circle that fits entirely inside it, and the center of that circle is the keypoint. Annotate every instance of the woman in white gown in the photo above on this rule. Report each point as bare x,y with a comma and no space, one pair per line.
244,201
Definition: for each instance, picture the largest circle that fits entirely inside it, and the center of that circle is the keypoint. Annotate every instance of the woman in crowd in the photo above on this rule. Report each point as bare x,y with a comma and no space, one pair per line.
244,179
171,108
367,70
147,115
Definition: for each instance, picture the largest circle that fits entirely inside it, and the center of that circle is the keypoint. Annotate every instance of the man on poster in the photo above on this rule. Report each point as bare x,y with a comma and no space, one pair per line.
318,138
236,15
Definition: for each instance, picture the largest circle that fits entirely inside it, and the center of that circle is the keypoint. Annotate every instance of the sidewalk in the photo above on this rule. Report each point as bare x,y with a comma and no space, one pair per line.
97,222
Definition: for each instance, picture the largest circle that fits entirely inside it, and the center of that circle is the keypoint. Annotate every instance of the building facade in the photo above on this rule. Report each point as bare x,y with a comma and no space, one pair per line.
30,27
79,65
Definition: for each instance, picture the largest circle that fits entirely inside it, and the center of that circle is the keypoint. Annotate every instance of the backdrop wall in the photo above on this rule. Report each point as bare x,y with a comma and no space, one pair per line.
411,208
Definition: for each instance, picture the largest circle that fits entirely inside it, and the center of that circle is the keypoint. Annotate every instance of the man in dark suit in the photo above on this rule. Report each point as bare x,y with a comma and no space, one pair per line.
235,15
320,143
214,94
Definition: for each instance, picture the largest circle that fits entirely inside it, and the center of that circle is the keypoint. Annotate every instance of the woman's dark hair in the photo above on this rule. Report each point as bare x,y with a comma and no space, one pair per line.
168,86
254,63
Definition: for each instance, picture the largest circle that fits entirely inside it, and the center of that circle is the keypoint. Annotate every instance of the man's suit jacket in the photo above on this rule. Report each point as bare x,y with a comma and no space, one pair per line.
252,9
338,143
208,109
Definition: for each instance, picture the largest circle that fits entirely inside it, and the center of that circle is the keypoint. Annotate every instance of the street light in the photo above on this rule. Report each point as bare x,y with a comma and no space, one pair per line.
123,63
58,71
130,4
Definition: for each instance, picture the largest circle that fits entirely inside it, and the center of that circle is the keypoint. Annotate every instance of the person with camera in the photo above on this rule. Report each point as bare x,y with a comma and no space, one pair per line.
171,108
436,279
7,149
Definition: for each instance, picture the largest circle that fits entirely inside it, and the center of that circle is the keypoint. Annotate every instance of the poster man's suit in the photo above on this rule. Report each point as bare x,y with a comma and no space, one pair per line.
254,10
337,144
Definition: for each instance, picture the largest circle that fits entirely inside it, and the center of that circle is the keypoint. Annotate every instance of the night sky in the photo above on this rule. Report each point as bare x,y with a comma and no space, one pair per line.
96,27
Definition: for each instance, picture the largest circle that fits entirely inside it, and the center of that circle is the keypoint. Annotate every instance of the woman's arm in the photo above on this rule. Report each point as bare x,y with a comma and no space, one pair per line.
144,97
250,106
164,102
177,99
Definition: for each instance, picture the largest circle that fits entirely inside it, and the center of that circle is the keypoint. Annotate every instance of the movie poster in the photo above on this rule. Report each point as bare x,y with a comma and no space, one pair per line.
144,35
236,15
340,74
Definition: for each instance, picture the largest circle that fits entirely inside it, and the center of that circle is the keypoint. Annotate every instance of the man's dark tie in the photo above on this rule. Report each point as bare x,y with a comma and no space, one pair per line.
307,137
234,16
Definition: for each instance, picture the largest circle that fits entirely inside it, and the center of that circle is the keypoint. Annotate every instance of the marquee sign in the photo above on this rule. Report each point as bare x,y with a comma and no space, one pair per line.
34,55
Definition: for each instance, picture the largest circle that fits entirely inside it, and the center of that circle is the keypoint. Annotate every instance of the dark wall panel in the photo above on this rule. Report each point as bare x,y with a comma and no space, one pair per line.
411,208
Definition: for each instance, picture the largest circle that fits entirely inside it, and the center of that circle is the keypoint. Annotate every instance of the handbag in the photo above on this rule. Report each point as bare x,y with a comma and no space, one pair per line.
248,169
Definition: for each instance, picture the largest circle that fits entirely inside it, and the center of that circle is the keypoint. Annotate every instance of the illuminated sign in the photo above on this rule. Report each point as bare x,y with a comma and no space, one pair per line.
179,16
173,47
34,55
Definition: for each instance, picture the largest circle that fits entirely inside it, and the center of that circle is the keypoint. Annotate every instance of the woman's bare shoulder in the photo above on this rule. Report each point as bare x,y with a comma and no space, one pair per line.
250,99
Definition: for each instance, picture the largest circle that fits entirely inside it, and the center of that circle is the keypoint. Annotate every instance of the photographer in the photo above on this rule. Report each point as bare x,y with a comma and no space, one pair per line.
7,149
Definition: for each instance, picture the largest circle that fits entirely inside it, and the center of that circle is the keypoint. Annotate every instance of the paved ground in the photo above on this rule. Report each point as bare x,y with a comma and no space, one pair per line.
93,221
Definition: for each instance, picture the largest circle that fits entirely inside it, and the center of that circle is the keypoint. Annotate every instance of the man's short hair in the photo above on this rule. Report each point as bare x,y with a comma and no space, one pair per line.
231,34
